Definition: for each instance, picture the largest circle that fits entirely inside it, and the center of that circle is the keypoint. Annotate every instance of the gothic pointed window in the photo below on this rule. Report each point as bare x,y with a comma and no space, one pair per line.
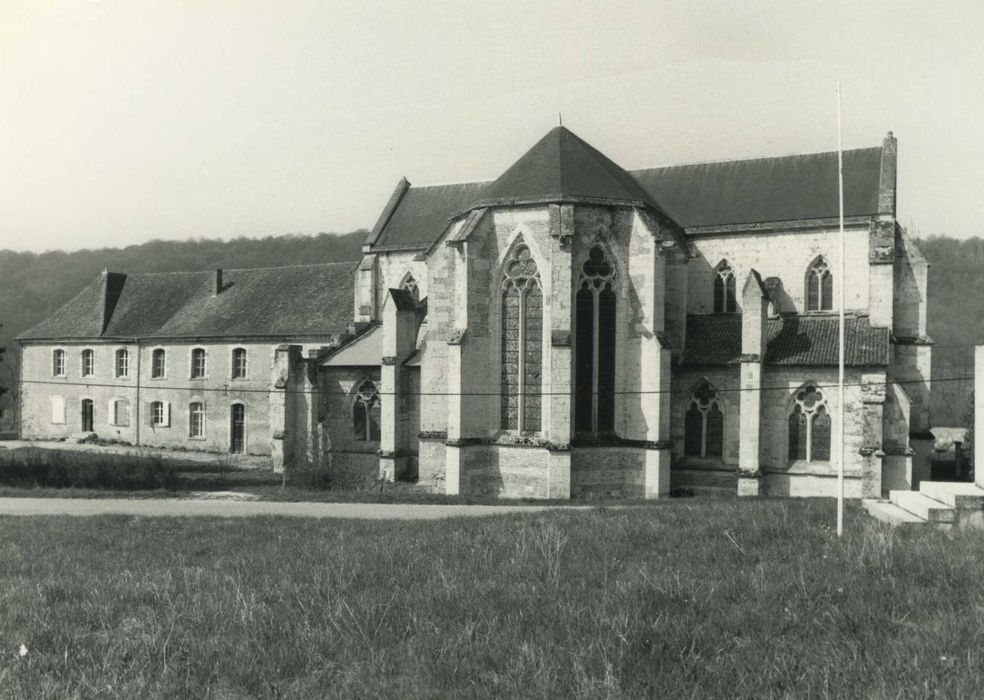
365,413
522,342
725,300
410,284
819,286
704,423
595,324
809,426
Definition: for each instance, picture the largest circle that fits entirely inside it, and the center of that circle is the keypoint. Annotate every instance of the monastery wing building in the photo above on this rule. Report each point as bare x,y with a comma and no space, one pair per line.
568,330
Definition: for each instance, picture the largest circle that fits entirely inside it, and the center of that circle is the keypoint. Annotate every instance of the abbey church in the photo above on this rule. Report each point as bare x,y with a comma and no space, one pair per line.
568,330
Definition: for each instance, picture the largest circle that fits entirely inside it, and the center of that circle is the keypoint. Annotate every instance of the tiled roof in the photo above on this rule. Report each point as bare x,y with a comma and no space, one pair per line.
561,165
809,341
790,188
283,302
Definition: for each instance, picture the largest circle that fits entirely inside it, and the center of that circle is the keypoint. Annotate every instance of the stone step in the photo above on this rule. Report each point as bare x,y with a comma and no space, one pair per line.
929,509
956,494
890,513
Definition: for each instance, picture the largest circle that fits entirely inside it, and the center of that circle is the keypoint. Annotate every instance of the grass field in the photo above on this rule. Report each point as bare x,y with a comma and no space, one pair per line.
689,598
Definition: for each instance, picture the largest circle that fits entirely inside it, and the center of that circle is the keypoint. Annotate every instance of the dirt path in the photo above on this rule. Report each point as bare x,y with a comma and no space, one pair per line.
240,509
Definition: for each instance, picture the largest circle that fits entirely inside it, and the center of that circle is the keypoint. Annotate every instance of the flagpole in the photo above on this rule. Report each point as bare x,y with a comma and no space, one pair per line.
841,284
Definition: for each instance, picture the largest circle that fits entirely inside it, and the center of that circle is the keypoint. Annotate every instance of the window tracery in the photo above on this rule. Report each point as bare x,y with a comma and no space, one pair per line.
522,342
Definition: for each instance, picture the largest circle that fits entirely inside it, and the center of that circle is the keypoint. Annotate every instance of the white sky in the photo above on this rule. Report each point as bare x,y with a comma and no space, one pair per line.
126,120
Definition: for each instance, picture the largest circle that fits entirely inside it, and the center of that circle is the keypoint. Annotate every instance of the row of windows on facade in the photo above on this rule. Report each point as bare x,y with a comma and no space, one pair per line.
365,414
819,287
158,363
809,425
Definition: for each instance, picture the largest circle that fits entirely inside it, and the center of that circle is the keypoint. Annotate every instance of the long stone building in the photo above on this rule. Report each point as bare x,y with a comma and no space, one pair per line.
570,329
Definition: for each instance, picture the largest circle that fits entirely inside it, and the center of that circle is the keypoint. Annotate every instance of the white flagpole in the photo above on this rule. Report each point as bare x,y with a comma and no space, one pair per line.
841,283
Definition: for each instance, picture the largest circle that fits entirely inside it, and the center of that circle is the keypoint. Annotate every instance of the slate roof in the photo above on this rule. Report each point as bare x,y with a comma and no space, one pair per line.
805,341
563,166
788,188
281,302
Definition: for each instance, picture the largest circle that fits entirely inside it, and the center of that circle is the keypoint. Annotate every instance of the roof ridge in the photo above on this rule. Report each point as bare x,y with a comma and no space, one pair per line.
753,158
237,269
452,184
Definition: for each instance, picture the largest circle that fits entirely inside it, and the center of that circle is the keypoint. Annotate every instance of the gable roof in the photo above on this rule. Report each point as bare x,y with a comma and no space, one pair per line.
809,341
282,302
788,188
364,350
562,166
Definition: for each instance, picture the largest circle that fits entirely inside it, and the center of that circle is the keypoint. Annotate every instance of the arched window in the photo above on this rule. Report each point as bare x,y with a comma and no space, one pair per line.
522,342
724,289
410,285
198,363
88,362
809,426
239,363
157,361
704,424
594,318
819,286
58,363
365,413
122,365
196,419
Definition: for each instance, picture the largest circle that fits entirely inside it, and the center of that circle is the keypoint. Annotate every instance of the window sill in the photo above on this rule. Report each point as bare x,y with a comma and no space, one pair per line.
198,438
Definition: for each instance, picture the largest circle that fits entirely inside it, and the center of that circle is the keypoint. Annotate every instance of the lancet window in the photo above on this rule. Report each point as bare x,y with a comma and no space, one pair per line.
522,342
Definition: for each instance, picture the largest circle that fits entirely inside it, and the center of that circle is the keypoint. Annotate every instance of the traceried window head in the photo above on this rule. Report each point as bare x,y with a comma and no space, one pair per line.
704,423
522,342
809,426
410,284
725,300
365,413
819,286
594,350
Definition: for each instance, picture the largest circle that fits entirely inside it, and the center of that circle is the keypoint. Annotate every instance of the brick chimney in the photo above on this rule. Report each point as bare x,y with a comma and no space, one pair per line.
217,282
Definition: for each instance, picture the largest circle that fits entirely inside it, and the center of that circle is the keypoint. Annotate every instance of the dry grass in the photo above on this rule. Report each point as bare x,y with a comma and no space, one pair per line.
751,598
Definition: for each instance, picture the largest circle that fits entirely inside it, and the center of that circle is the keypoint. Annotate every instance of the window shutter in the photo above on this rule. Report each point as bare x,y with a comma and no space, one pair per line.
57,409
167,414
113,419
150,413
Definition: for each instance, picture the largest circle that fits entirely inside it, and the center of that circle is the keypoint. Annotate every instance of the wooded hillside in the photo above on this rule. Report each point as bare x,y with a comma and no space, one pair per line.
33,285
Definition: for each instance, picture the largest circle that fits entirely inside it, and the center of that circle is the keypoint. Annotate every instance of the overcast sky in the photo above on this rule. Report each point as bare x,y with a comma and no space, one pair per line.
126,120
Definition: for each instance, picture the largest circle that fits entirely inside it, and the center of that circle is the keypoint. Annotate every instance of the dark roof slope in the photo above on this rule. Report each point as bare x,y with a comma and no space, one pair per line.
303,300
789,188
561,165
421,215
809,341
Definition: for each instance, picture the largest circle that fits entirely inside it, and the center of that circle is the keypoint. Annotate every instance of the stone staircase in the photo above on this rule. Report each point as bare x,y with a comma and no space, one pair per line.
942,503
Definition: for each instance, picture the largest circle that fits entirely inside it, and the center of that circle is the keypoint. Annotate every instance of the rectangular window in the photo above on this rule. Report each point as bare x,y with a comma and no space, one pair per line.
58,409
198,363
157,364
88,363
58,363
239,363
160,413
196,420
122,362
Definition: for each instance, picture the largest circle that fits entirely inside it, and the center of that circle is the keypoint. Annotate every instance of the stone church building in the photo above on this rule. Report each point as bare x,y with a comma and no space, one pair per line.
570,329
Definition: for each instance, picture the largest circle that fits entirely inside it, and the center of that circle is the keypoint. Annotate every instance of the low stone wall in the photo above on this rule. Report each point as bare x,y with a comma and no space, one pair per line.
601,472
506,471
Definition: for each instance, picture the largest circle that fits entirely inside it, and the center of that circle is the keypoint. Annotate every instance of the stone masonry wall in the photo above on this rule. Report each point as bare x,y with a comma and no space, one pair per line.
786,255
